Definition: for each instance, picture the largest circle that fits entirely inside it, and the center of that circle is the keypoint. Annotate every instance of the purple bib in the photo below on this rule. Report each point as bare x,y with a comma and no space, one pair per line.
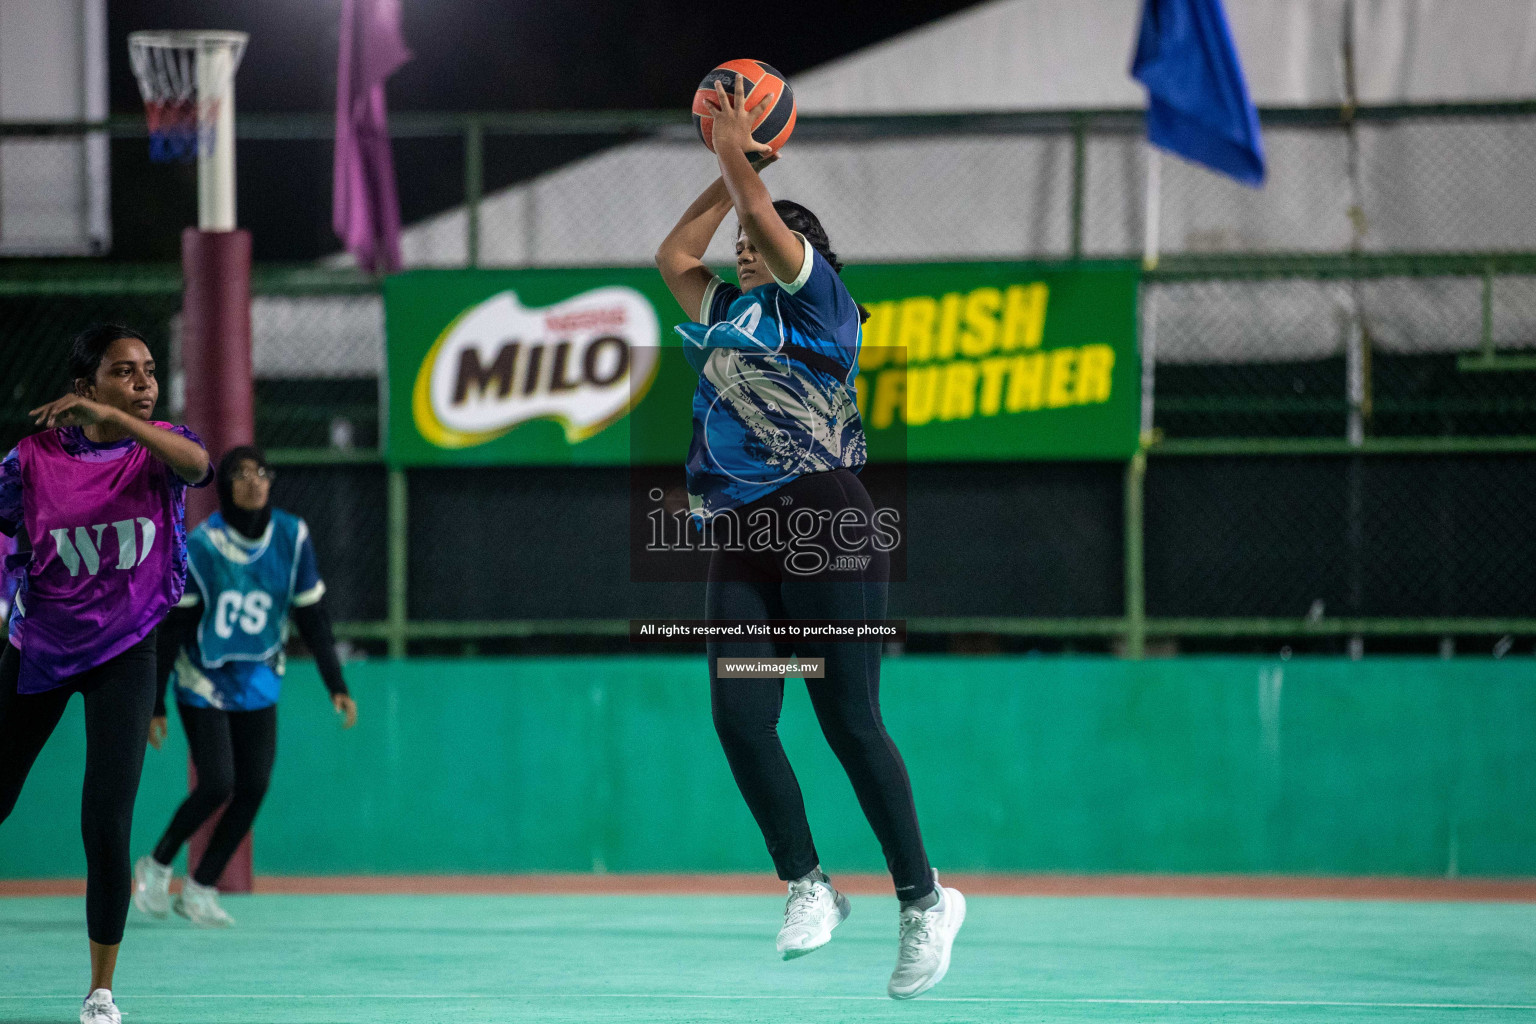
104,523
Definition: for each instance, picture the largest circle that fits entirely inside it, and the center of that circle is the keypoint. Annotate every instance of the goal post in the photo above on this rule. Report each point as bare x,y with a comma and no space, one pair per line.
187,81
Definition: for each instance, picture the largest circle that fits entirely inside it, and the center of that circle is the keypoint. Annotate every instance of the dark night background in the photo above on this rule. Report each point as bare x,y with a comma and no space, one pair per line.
470,55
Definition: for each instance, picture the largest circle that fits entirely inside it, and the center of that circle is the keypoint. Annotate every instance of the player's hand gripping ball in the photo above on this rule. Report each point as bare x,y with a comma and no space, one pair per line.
773,118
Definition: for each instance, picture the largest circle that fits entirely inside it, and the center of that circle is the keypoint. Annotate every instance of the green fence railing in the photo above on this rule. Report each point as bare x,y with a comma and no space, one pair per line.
1442,404
1130,630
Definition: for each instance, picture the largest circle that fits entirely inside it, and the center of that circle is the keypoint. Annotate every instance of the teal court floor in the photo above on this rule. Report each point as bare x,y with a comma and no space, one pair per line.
417,959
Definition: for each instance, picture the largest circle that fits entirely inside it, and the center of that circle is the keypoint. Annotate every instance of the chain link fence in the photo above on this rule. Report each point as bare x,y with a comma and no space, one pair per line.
1353,536
1341,363
1430,355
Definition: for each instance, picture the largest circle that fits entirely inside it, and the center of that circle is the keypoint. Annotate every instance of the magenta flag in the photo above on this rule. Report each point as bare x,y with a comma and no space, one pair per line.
365,208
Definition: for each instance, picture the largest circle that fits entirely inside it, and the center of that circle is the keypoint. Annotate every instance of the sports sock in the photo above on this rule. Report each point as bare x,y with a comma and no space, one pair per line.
815,875
927,902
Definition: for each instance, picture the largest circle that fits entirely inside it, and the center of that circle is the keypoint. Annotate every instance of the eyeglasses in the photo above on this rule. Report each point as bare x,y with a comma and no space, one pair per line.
260,473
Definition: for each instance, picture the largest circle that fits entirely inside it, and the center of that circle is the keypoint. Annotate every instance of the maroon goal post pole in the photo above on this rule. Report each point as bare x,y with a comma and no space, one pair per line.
216,363
187,80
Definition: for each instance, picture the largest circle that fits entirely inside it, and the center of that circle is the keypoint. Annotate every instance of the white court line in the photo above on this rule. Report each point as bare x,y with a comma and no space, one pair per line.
663,996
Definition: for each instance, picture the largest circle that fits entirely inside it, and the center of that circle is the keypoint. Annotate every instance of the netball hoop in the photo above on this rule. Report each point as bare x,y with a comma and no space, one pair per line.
187,80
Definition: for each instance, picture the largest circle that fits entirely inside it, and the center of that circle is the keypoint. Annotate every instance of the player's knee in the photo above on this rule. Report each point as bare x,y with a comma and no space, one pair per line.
251,789
215,787
730,725
106,834
741,727
852,729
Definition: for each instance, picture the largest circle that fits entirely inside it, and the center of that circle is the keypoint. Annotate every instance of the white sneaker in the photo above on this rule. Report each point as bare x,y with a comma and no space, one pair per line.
200,905
99,1009
151,887
813,910
922,957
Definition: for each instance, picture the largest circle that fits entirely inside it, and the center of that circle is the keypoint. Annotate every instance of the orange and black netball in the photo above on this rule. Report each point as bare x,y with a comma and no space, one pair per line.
773,120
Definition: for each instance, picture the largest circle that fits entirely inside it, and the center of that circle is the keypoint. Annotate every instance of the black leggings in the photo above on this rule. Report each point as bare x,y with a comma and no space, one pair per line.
233,752
119,700
762,585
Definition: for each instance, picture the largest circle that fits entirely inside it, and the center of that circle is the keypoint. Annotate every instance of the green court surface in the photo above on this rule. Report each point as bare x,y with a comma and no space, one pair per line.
321,959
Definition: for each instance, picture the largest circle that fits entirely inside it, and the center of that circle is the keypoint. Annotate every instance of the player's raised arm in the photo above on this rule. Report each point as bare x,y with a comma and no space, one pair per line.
764,228
117,401
681,255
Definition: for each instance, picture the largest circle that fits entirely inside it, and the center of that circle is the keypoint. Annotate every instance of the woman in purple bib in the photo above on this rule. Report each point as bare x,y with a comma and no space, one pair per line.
95,502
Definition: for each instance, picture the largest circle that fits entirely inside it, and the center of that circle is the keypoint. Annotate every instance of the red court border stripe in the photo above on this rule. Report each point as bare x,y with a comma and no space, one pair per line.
1325,887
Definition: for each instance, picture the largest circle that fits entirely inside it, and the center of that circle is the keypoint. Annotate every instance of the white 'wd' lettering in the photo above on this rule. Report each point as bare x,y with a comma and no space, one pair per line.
149,537
85,550
127,546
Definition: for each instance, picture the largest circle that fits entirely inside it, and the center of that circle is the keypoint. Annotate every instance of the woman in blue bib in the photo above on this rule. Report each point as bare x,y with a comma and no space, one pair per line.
251,568
777,440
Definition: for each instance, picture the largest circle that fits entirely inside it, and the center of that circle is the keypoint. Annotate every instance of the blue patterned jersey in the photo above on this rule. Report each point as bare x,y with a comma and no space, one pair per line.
775,398
246,589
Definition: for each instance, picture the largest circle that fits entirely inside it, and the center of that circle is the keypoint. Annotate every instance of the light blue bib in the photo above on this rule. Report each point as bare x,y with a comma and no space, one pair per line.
247,588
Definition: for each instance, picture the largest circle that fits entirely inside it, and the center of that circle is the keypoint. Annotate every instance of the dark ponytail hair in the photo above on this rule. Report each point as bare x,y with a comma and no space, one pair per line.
90,348
798,218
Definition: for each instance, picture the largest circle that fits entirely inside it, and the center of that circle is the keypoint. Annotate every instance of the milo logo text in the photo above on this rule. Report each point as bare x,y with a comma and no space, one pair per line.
84,546
582,362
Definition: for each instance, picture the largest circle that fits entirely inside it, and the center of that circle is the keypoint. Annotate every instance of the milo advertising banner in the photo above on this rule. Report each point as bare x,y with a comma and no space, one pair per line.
975,360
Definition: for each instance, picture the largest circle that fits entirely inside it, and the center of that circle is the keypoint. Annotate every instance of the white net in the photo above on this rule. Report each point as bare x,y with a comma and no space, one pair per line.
183,78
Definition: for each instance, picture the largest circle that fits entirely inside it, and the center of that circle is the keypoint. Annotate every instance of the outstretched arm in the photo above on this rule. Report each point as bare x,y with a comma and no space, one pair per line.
186,458
779,247
681,255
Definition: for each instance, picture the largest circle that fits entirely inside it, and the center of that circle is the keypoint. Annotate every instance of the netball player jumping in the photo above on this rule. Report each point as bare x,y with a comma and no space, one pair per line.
776,431
253,568
96,504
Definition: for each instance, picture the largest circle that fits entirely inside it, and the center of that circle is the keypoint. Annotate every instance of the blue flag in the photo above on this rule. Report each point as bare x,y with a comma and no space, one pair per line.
1197,100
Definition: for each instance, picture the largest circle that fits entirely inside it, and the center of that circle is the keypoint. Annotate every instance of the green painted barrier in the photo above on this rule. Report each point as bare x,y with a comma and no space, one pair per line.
1382,766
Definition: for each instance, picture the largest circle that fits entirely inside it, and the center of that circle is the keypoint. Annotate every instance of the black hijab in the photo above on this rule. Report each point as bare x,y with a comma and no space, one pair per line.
251,524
